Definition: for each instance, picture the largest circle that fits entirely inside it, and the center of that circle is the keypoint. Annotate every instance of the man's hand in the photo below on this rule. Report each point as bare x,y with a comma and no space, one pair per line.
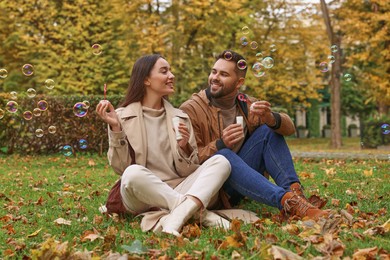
232,135
263,110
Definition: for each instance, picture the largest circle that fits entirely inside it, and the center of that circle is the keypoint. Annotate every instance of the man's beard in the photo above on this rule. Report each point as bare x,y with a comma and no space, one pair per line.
217,94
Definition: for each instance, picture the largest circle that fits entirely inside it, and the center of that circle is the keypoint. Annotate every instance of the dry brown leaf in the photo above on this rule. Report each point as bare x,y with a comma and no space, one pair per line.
280,253
368,173
91,162
330,246
335,202
61,221
233,242
293,229
330,172
236,255
271,238
306,175
90,237
366,253
378,230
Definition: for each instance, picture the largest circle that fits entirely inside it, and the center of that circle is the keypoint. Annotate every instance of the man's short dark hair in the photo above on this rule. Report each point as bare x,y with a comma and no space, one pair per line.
233,57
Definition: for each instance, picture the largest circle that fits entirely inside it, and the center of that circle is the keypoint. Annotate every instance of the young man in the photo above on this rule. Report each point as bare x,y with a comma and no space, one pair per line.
255,147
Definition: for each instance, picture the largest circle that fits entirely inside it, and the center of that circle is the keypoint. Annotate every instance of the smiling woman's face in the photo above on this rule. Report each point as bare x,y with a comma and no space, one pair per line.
160,80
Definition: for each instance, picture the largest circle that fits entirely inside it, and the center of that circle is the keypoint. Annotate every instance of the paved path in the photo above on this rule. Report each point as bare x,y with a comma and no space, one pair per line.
336,155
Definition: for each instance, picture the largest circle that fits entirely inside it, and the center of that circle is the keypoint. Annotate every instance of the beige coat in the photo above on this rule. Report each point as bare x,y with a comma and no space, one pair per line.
134,134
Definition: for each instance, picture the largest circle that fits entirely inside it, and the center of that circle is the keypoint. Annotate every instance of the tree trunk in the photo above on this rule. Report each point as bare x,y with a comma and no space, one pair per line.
335,85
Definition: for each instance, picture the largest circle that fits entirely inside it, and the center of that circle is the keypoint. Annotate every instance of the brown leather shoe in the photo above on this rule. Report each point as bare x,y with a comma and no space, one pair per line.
295,205
297,189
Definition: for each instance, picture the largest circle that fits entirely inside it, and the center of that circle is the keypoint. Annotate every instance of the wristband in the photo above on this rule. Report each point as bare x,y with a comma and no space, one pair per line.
278,121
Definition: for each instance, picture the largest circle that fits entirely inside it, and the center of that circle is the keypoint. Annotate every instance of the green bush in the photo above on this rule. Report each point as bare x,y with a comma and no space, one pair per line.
372,133
18,135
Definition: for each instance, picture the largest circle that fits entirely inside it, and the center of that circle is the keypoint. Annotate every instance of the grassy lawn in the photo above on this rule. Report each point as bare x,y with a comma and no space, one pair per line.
49,207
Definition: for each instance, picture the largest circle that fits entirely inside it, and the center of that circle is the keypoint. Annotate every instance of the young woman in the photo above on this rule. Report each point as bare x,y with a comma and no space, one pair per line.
156,169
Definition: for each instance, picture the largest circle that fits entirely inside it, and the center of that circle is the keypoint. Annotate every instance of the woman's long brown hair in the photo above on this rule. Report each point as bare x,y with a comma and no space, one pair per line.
141,70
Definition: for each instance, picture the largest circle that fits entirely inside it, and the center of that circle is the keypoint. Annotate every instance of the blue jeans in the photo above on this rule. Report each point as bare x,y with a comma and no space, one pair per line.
264,150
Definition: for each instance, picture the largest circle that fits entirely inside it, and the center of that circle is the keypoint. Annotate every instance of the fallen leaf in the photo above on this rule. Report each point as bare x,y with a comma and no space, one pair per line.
61,221
35,233
368,173
379,230
335,202
280,253
330,172
236,255
293,229
366,253
306,175
91,162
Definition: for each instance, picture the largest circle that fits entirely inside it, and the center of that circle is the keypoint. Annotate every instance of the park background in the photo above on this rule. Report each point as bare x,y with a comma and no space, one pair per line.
82,45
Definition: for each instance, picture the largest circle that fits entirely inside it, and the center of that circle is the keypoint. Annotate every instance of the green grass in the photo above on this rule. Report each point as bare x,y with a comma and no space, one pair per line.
36,191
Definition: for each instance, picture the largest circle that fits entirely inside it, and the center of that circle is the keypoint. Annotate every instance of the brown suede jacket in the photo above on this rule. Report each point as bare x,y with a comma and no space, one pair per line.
207,121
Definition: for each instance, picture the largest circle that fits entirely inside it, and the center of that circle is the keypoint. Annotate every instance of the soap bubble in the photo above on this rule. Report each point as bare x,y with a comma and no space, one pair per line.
244,41
3,73
83,144
80,109
42,105
28,115
347,77
259,56
67,150
2,113
254,45
49,84
385,129
37,112
272,48
87,104
334,48
268,62
14,95
258,70
12,106
97,49
39,132
245,30
324,66
52,129
228,55
31,93
28,70
331,59
241,64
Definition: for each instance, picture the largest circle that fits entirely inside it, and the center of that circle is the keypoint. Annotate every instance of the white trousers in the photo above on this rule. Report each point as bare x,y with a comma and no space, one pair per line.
142,190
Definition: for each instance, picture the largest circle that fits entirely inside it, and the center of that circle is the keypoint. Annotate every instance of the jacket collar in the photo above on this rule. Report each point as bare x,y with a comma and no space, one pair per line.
241,100
133,110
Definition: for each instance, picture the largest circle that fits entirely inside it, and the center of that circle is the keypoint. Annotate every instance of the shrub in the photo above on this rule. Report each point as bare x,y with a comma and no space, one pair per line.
373,132
19,135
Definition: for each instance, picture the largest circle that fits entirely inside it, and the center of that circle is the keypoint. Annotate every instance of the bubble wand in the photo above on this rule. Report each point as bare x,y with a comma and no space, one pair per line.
105,90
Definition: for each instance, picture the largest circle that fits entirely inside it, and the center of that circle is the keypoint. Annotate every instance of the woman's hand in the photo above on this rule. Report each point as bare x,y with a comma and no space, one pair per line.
183,142
185,134
106,111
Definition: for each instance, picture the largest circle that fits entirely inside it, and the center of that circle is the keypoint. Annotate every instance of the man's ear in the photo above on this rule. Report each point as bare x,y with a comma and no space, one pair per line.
240,83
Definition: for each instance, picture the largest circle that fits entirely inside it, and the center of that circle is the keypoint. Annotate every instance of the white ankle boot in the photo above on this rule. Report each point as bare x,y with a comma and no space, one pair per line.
211,219
173,222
